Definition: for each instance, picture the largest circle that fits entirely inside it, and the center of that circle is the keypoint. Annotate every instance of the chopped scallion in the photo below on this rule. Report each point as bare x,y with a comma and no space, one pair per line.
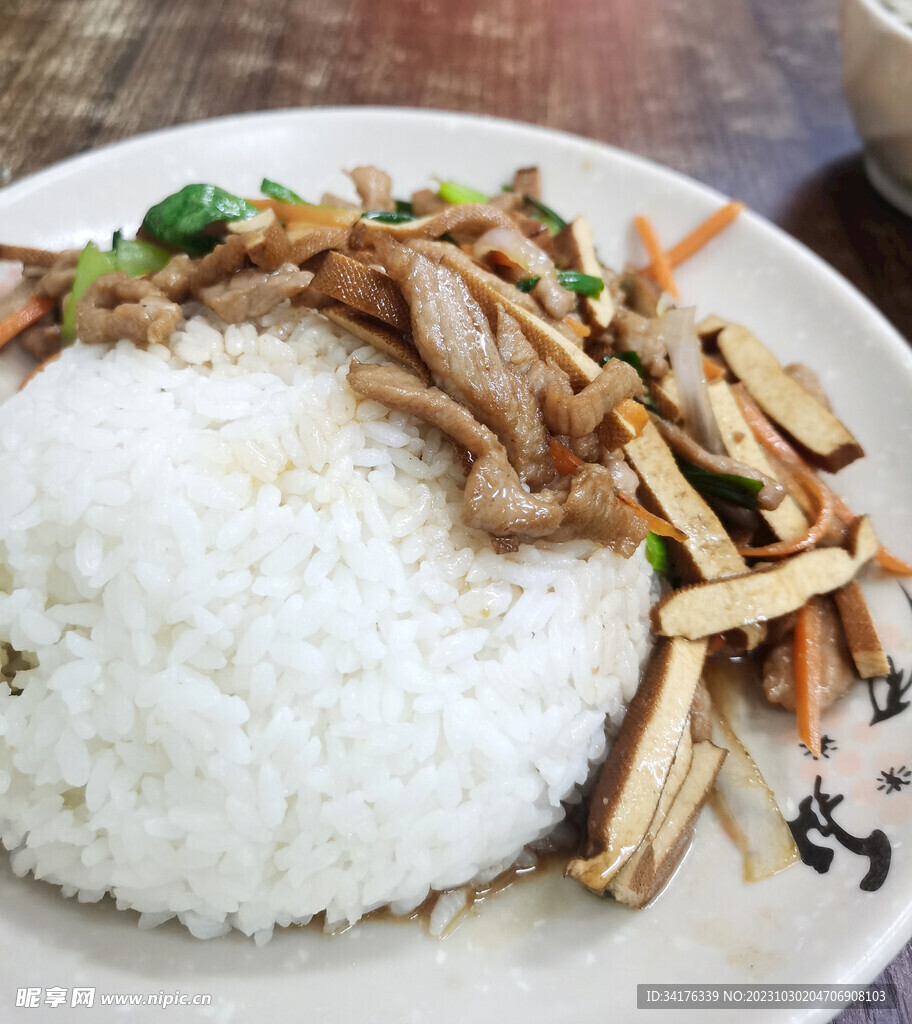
280,193
527,283
453,192
582,284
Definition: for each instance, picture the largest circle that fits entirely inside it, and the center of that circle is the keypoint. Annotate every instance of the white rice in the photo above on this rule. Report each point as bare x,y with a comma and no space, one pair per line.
276,675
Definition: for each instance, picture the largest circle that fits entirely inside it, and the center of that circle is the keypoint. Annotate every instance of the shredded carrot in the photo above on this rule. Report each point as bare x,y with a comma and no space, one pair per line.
776,444
35,370
808,651
501,259
467,247
635,413
826,519
36,307
887,560
565,461
580,329
703,233
712,370
658,525
661,269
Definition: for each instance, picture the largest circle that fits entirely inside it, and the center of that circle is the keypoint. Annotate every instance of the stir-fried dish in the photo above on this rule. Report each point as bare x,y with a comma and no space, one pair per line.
585,403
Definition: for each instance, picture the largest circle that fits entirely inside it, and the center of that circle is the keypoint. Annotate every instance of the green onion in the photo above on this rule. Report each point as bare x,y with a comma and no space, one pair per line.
453,192
657,553
552,221
739,490
136,257
280,193
404,206
527,283
181,219
582,284
386,216
90,265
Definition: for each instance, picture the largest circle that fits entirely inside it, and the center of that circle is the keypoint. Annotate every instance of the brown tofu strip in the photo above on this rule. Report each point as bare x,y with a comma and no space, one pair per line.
702,609
787,521
667,398
264,238
825,439
708,550
860,633
648,871
378,334
547,342
578,245
630,782
709,327
368,290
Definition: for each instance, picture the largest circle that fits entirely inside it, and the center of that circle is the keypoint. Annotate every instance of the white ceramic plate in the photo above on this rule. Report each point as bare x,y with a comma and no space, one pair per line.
545,950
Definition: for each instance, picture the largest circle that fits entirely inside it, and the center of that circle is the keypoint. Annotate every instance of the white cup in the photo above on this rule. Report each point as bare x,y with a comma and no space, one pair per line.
877,78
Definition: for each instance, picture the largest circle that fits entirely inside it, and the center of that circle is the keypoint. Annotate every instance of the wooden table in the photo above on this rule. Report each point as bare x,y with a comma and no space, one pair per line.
742,94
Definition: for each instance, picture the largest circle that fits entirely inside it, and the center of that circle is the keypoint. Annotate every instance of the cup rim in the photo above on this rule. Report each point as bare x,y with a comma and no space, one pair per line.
887,18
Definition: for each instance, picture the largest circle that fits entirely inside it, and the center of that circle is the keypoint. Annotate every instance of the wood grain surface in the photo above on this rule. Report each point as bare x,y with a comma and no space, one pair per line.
744,95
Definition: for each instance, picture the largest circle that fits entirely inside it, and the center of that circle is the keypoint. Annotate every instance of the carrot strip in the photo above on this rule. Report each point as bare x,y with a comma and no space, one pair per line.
703,233
565,461
658,525
36,307
712,370
35,370
776,444
634,412
826,519
580,329
887,560
661,269
808,647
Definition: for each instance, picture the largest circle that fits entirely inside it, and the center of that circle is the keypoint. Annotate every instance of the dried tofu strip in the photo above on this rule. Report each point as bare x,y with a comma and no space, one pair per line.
676,776
264,238
709,550
702,609
630,782
709,327
367,289
787,521
647,872
667,397
860,633
548,342
578,246
827,441
378,334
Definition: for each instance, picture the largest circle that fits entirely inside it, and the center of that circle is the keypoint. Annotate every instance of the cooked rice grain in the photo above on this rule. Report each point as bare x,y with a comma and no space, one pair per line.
276,674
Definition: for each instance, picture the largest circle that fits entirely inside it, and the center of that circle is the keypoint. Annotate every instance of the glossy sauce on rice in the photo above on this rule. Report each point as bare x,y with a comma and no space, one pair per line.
277,675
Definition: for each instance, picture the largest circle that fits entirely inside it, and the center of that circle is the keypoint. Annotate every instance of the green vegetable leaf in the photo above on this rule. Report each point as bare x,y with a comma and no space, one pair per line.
739,490
404,206
90,265
657,553
628,357
453,192
181,219
552,221
386,216
527,283
582,284
280,193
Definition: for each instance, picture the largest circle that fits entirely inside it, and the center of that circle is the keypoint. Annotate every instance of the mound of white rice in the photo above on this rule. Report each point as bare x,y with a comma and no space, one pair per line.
276,674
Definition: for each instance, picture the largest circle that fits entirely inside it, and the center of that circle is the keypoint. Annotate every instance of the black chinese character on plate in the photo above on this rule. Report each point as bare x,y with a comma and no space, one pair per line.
892,781
827,743
876,846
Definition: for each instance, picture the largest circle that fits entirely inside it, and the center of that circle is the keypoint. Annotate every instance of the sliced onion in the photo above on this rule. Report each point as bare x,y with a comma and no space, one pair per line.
520,250
742,799
679,334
